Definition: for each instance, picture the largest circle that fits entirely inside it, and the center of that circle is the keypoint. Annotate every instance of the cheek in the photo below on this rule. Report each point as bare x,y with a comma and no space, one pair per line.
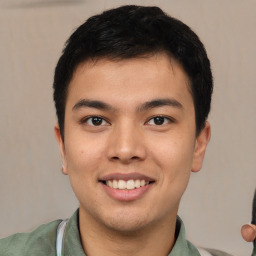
172,153
174,157
83,165
83,155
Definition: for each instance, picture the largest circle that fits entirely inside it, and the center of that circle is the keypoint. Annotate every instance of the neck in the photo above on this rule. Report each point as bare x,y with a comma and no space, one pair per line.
154,239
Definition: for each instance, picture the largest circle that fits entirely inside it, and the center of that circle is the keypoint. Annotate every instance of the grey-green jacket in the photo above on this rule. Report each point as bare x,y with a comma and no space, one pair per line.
42,241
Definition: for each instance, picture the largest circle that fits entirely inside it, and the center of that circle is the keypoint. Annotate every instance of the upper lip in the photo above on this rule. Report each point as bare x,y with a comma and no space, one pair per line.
126,177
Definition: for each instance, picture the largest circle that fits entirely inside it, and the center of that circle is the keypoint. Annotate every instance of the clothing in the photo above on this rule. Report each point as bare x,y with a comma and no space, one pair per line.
42,241
212,252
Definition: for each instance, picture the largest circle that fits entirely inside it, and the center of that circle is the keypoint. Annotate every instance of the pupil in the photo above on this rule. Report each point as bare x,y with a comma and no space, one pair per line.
96,120
159,120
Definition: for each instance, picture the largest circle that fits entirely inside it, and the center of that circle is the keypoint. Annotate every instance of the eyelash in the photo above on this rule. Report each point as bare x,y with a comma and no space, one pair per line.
166,120
85,120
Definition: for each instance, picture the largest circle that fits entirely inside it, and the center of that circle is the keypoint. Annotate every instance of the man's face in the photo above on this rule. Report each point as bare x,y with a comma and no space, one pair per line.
130,140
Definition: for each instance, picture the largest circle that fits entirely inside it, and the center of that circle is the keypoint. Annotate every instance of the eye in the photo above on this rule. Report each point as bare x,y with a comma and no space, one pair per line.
95,121
159,120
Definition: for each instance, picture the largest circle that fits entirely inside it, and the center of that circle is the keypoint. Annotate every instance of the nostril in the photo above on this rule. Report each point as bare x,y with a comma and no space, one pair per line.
125,159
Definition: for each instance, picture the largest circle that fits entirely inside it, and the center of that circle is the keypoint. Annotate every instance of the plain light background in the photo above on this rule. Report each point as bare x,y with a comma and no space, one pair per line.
33,190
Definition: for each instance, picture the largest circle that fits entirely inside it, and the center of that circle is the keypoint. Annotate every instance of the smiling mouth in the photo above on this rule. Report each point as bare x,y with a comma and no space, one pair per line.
126,185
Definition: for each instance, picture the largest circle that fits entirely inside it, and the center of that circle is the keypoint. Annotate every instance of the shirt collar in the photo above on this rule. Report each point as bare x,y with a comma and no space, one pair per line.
72,240
182,246
73,245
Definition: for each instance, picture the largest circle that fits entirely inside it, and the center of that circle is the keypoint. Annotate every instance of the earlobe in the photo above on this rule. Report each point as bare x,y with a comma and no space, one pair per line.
202,141
62,148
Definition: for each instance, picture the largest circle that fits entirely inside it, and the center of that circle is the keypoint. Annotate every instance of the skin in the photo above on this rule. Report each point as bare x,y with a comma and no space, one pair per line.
127,141
248,232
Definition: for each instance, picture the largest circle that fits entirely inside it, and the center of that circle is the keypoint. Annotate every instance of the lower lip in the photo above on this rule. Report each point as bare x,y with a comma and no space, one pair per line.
127,194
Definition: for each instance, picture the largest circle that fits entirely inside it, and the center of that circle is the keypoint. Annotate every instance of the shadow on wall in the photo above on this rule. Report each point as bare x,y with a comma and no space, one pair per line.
38,3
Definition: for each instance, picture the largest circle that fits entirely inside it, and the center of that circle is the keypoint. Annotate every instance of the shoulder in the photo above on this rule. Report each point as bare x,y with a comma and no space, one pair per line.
184,247
39,242
212,252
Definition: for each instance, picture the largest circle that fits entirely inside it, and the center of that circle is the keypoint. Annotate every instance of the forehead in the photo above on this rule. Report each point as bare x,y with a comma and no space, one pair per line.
131,80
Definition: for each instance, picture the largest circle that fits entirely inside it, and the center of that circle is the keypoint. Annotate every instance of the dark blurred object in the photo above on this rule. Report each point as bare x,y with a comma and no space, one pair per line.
248,231
254,221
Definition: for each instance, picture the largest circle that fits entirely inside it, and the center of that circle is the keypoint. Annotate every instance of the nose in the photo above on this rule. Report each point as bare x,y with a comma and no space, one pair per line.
126,144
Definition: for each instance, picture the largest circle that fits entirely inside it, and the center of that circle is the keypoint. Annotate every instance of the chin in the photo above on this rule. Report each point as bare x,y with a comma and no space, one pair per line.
127,224
126,219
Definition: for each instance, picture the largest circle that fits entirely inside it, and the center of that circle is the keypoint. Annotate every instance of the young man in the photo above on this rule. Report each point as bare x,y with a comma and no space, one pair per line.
132,92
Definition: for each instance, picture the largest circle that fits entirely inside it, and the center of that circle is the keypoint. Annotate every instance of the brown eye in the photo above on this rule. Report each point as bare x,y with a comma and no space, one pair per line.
159,120
95,121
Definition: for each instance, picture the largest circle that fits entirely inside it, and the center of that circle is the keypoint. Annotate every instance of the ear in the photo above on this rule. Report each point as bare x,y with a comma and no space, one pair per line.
200,147
62,148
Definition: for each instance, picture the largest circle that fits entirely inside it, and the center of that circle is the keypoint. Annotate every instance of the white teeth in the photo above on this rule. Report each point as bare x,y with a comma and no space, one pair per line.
115,184
130,184
137,183
110,183
121,184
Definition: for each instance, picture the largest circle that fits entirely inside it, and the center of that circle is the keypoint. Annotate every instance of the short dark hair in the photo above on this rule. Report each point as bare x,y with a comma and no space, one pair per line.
132,31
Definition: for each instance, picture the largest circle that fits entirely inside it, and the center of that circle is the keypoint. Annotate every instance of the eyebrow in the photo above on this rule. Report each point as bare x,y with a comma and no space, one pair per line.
145,106
159,103
92,104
